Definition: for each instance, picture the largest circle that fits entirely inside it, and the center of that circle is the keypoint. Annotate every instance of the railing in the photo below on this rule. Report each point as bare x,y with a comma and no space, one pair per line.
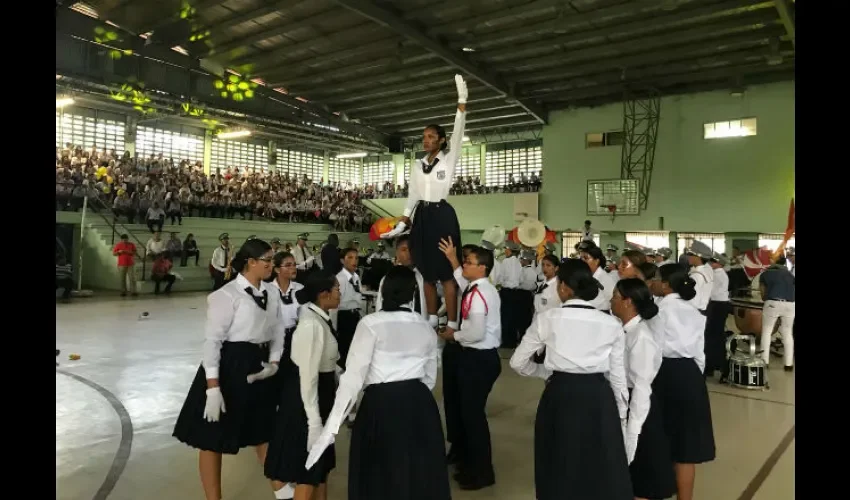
105,212
375,208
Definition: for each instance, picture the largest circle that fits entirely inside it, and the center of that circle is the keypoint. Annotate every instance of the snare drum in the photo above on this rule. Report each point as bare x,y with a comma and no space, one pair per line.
746,369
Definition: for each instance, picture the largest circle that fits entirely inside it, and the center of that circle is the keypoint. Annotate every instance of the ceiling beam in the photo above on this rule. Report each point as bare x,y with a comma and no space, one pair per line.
361,33
627,62
441,114
659,70
751,26
480,121
514,11
301,69
616,96
432,107
416,99
401,74
265,33
639,30
726,74
786,14
409,30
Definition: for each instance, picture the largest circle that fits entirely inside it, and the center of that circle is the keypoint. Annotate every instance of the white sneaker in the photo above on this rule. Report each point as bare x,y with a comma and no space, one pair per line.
286,492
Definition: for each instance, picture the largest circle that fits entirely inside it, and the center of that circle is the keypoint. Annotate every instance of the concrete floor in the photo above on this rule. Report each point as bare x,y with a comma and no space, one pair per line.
116,408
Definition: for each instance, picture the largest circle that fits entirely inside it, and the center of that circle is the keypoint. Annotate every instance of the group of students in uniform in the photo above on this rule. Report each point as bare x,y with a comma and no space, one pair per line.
624,412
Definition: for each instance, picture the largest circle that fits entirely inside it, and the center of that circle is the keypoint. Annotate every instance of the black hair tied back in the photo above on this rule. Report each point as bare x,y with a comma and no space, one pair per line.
398,289
638,292
317,283
251,249
576,275
677,277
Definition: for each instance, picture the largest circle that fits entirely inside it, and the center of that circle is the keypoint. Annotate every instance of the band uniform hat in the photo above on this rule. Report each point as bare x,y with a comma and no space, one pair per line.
719,258
303,236
223,236
790,252
612,247
549,246
664,252
527,254
513,246
488,245
276,240
699,249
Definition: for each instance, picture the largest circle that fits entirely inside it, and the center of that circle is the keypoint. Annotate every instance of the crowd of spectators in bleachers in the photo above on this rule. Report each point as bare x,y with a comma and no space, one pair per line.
154,190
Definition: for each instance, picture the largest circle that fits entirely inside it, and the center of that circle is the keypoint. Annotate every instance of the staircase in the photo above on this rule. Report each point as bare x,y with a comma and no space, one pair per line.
100,272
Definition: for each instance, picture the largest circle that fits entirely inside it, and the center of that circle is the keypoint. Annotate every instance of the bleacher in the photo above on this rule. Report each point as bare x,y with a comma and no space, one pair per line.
99,265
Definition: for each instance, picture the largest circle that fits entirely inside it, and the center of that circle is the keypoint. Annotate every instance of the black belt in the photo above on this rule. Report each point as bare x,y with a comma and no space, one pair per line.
263,345
426,203
779,300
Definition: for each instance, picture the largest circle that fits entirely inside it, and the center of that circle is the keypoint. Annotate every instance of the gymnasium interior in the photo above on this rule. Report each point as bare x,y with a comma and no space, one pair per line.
662,122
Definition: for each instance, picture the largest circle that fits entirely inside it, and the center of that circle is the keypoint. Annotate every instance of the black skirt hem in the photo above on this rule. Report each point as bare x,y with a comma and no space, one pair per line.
433,222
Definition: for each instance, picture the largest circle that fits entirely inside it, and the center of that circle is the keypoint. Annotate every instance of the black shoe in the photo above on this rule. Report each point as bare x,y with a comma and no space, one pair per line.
789,368
471,484
452,457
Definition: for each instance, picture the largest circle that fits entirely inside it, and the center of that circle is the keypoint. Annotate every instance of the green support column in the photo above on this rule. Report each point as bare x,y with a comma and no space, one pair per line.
398,160
483,164
130,134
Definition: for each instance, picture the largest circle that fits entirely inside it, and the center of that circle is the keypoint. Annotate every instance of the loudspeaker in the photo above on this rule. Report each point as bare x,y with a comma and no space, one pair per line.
396,144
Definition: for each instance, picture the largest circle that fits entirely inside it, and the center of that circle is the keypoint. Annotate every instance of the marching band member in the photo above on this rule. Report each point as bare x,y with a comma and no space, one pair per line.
434,219
304,259
306,393
510,272
220,262
702,273
717,311
581,419
397,440
647,447
611,251
778,287
527,285
231,403
346,317
679,330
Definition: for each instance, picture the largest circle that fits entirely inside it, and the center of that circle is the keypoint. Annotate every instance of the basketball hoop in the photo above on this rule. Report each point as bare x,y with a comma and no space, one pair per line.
612,209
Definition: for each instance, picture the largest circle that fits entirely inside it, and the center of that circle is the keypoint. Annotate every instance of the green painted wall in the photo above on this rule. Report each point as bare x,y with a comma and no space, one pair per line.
721,185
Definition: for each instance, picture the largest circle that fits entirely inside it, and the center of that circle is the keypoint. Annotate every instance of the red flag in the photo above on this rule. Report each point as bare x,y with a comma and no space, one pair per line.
792,221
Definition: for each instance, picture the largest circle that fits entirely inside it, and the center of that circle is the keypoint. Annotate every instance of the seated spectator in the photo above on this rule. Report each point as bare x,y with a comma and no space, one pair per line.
190,249
64,277
161,272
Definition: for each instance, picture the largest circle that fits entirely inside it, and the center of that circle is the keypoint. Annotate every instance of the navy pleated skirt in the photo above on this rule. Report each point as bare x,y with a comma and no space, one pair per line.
686,410
578,441
397,445
433,222
248,419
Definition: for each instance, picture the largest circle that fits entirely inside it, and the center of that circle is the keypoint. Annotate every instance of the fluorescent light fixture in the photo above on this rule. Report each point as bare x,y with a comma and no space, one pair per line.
61,102
466,138
234,134
343,156
744,127
468,49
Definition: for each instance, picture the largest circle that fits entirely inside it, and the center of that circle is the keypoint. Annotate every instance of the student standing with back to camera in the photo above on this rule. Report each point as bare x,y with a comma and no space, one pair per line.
579,449
647,447
307,394
231,403
433,219
679,330
397,449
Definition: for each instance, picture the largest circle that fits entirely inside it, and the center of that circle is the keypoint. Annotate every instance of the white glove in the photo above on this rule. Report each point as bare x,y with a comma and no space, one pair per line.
462,91
214,406
313,433
322,444
269,369
396,231
631,447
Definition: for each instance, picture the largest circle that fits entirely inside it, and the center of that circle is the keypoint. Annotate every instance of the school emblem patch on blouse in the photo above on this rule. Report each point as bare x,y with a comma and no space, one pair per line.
543,301
441,175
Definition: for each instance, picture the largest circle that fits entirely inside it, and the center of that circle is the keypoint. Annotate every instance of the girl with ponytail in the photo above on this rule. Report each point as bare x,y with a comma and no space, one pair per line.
680,386
231,403
397,448
647,447
585,402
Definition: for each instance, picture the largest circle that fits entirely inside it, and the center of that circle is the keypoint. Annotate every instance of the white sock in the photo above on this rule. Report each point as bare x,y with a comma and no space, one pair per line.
286,492
432,320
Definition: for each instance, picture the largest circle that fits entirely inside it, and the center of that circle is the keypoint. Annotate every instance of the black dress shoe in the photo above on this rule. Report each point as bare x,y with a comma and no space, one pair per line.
471,484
